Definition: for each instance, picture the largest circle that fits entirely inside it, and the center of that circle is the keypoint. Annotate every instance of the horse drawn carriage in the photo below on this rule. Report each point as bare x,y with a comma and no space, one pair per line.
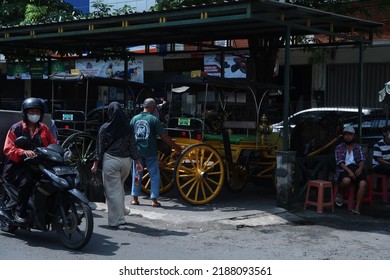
217,123
220,123
225,141
77,129
222,127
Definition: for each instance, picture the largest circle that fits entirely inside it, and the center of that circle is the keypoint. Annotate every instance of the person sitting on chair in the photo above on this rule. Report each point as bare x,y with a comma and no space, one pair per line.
350,161
381,153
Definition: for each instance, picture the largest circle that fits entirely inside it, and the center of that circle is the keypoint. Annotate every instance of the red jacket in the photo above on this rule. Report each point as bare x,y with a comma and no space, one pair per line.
14,153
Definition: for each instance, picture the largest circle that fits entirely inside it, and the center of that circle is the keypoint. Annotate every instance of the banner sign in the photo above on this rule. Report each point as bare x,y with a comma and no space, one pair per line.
35,69
234,65
18,71
111,69
61,67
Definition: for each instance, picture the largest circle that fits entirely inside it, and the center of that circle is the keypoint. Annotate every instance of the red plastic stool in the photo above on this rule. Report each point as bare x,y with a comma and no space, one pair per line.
349,194
382,188
321,186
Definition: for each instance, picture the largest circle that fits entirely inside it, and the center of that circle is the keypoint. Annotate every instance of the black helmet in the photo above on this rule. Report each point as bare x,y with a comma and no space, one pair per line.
33,103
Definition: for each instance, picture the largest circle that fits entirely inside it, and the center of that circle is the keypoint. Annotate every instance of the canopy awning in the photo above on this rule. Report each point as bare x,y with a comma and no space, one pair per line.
195,25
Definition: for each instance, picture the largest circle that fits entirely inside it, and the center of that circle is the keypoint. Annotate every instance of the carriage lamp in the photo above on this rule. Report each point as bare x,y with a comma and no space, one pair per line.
264,128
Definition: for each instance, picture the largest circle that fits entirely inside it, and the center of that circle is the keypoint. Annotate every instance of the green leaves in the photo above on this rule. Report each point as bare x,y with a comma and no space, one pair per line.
22,12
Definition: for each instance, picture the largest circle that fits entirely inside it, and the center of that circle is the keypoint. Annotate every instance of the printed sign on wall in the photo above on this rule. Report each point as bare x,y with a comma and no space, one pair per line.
35,69
113,69
234,66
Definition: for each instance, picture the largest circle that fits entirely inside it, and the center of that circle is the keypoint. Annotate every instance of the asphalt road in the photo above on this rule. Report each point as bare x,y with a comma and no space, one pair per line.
245,226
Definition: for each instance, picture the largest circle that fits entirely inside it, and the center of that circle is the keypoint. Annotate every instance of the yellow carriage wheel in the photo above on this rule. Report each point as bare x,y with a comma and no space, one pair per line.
238,177
166,162
199,174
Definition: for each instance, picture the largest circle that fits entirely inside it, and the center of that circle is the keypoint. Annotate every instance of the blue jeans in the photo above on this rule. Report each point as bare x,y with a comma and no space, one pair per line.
151,164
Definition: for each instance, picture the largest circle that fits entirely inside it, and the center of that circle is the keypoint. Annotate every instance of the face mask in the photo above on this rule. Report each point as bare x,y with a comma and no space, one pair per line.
33,118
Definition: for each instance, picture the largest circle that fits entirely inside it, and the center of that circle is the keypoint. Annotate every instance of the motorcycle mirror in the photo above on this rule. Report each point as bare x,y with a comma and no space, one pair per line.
21,142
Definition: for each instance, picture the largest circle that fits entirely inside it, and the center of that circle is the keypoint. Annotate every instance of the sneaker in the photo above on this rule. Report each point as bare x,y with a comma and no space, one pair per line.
339,199
127,210
356,211
120,227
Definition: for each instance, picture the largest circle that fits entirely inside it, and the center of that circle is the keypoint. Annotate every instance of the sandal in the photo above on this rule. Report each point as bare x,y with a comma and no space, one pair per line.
156,204
134,202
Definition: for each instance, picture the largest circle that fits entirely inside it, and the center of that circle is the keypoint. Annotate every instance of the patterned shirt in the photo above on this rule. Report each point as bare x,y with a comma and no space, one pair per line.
381,150
122,147
341,152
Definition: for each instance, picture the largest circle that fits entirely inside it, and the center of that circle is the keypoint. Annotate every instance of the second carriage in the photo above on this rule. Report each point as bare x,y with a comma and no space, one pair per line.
225,136
222,128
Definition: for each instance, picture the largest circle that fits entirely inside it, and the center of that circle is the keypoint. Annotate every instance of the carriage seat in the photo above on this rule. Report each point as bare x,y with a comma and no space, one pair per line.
240,125
234,138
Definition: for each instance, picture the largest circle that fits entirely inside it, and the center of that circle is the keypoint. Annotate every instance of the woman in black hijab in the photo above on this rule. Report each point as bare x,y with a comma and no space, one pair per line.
115,148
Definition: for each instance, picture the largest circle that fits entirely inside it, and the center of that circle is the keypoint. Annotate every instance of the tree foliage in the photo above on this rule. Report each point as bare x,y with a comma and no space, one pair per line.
101,9
17,12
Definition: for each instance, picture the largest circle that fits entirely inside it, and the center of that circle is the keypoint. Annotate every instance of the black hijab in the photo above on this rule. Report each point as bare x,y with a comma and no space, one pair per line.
117,125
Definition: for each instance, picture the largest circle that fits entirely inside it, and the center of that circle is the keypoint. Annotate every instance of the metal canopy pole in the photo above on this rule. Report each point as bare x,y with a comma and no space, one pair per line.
360,88
286,89
86,104
52,96
126,78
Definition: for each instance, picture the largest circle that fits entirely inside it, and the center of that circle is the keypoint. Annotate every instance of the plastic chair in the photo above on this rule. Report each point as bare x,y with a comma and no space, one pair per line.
319,203
381,189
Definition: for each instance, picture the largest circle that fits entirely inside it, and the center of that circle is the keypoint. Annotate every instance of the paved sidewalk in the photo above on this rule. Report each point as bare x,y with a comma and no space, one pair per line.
254,206
251,207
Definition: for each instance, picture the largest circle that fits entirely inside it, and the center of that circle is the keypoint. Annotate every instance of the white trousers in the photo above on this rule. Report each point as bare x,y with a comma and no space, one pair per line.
115,172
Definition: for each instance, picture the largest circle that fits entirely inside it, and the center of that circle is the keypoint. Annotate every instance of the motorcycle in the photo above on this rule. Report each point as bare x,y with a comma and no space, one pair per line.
55,203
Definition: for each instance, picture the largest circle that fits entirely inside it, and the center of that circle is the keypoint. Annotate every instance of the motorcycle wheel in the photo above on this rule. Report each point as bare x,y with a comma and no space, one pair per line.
76,230
7,227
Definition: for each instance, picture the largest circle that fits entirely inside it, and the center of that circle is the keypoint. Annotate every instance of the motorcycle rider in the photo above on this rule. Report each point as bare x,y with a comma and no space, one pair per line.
15,171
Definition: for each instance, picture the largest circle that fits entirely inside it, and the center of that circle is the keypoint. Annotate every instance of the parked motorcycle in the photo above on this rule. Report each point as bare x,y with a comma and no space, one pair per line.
56,203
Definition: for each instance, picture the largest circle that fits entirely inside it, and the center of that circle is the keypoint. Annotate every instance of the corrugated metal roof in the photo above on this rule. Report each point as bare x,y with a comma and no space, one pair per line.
192,25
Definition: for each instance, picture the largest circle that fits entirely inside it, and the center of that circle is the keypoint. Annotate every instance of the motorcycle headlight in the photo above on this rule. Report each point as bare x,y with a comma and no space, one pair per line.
67,155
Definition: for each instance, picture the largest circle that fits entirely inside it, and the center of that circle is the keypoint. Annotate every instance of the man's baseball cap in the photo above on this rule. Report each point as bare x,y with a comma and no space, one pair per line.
349,129
149,103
